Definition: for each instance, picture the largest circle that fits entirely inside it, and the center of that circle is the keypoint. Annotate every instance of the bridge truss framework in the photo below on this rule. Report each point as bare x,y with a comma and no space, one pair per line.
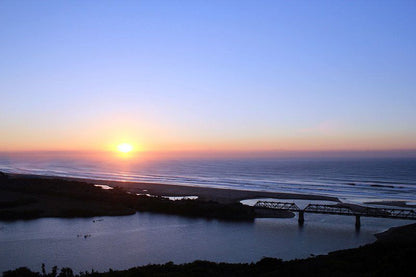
339,210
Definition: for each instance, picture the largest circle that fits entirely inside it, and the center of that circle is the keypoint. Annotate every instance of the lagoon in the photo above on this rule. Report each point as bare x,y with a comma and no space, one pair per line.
121,242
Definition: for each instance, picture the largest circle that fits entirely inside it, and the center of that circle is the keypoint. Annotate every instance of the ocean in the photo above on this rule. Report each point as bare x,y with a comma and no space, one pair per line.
355,180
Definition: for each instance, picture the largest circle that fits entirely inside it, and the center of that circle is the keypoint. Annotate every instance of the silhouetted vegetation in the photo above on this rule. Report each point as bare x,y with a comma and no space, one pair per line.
16,203
392,255
3,176
41,197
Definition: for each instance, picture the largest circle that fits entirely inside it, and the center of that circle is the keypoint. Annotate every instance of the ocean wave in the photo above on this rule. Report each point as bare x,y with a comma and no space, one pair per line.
378,180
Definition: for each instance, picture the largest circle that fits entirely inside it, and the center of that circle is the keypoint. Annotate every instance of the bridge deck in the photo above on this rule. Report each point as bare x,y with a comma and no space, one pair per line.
333,209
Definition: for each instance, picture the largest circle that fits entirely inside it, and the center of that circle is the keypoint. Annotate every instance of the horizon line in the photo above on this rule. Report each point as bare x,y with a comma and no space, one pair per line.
239,153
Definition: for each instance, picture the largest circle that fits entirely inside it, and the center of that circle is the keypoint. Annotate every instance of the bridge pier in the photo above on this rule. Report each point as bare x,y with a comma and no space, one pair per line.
357,222
301,217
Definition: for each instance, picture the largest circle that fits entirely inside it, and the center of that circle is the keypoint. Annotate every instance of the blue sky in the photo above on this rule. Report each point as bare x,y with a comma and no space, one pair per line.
208,75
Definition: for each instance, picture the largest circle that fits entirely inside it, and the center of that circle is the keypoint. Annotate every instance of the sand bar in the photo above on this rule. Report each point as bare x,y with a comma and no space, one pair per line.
221,195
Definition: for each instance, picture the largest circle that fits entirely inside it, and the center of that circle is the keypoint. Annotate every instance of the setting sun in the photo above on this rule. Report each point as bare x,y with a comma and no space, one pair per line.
125,147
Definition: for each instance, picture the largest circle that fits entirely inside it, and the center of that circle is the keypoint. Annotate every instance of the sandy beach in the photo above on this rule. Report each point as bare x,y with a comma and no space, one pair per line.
220,195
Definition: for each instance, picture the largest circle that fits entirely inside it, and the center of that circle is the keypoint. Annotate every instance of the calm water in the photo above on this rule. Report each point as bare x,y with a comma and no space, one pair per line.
123,242
127,241
355,180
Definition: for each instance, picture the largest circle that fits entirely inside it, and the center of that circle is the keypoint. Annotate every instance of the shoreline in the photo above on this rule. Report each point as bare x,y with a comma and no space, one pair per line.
30,197
221,195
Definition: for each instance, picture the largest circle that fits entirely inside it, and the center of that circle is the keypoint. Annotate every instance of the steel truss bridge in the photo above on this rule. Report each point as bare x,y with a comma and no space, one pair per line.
339,210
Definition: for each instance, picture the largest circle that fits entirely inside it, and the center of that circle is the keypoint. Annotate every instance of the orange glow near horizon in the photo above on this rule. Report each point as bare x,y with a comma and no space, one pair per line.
123,138
251,145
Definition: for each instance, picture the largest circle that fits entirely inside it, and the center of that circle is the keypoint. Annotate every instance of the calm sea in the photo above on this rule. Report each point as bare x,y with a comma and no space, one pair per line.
351,179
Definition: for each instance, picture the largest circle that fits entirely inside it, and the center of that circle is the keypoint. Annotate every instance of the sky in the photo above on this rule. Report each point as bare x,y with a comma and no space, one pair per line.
208,75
